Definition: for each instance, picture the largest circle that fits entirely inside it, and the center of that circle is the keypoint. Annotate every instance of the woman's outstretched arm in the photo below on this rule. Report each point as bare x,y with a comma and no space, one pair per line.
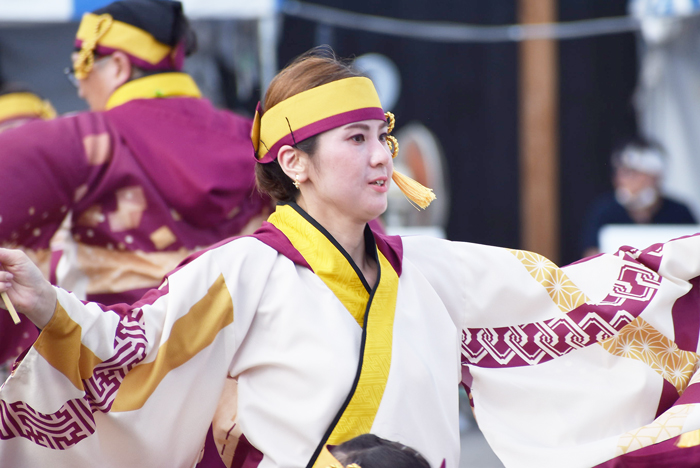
101,378
26,287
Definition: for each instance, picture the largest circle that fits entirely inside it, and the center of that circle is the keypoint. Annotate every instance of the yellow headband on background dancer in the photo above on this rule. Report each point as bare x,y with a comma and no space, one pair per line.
323,108
104,33
25,104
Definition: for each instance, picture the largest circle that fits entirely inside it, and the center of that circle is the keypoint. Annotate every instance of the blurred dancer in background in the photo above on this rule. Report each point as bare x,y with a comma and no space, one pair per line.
152,173
18,106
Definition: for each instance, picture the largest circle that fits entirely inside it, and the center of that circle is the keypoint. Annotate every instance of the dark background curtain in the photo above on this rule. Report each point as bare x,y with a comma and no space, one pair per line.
467,94
597,81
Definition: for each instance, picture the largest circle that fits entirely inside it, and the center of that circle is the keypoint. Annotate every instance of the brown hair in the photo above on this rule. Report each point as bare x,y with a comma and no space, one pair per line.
314,68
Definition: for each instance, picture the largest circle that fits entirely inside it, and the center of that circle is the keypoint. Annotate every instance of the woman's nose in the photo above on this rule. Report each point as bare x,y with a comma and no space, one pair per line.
381,153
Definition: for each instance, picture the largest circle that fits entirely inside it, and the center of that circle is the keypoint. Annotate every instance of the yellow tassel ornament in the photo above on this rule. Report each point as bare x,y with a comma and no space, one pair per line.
418,194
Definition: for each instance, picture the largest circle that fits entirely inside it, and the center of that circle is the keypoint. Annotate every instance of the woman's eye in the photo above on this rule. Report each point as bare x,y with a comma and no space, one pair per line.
383,136
358,138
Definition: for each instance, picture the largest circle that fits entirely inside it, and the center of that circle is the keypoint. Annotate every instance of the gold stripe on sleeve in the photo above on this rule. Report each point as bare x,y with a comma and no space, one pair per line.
189,335
60,345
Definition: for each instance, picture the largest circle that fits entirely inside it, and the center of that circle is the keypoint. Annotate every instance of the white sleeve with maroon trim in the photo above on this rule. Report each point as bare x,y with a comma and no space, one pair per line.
573,366
134,387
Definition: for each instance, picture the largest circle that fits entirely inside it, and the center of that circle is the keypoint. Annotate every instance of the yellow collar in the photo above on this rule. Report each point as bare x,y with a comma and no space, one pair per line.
336,271
16,105
326,259
160,85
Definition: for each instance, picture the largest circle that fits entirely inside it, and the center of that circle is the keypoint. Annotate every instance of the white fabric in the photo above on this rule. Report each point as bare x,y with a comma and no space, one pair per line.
293,348
573,410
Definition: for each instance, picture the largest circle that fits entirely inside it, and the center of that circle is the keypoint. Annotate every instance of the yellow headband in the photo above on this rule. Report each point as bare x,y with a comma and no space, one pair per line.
323,108
312,112
16,105
103,30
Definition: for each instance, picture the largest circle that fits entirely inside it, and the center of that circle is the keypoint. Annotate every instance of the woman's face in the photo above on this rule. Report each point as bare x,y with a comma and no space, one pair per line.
350,173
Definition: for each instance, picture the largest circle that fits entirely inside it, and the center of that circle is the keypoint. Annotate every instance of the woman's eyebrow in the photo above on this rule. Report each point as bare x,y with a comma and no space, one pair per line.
362,126
359,125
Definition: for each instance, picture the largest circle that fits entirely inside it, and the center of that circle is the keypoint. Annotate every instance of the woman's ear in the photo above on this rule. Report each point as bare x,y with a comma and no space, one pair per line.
293,162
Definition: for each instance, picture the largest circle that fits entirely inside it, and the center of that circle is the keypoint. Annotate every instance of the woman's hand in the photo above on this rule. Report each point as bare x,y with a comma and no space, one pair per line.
29,292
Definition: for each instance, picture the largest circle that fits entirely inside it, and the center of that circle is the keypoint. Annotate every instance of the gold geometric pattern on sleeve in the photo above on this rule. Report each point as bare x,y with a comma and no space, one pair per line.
666,426
131,203
97,148
162,237
640,341
113,271
91,217
560,288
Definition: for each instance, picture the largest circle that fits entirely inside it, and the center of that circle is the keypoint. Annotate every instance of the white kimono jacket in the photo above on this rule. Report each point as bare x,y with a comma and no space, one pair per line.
279,341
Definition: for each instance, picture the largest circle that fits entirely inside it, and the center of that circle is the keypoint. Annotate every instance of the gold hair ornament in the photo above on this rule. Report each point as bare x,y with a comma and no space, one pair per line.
416,193
86,57
390,139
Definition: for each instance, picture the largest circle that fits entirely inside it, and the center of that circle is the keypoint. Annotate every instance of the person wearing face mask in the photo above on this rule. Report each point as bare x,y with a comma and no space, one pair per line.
637,198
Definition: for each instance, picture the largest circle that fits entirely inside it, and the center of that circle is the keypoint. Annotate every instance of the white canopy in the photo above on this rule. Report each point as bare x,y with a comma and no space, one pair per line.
664,8
68,10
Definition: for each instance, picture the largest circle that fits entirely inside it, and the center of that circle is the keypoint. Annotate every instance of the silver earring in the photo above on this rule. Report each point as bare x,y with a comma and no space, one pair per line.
296,181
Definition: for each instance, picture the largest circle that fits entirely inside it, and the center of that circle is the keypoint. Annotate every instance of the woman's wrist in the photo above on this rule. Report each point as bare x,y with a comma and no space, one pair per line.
45,306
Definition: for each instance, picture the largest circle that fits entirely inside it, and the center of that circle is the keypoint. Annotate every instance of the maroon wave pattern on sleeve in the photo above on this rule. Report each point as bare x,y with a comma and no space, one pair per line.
130,349
539,342
74,421
60,430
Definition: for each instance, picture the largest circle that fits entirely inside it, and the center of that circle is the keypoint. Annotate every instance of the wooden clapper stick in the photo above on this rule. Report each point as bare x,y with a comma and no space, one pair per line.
10,307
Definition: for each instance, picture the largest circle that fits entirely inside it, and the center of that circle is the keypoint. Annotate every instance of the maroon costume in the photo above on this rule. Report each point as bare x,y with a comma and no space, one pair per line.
144,184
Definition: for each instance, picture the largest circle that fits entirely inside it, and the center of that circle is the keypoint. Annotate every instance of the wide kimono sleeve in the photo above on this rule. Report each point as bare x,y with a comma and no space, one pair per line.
577,365
134,386
47,167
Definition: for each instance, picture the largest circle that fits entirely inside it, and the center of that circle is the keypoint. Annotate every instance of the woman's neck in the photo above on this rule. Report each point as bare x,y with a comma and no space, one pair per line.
350,234
353,241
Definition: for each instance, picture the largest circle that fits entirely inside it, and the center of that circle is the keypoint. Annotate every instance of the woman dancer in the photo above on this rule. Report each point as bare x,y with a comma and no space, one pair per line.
315,330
